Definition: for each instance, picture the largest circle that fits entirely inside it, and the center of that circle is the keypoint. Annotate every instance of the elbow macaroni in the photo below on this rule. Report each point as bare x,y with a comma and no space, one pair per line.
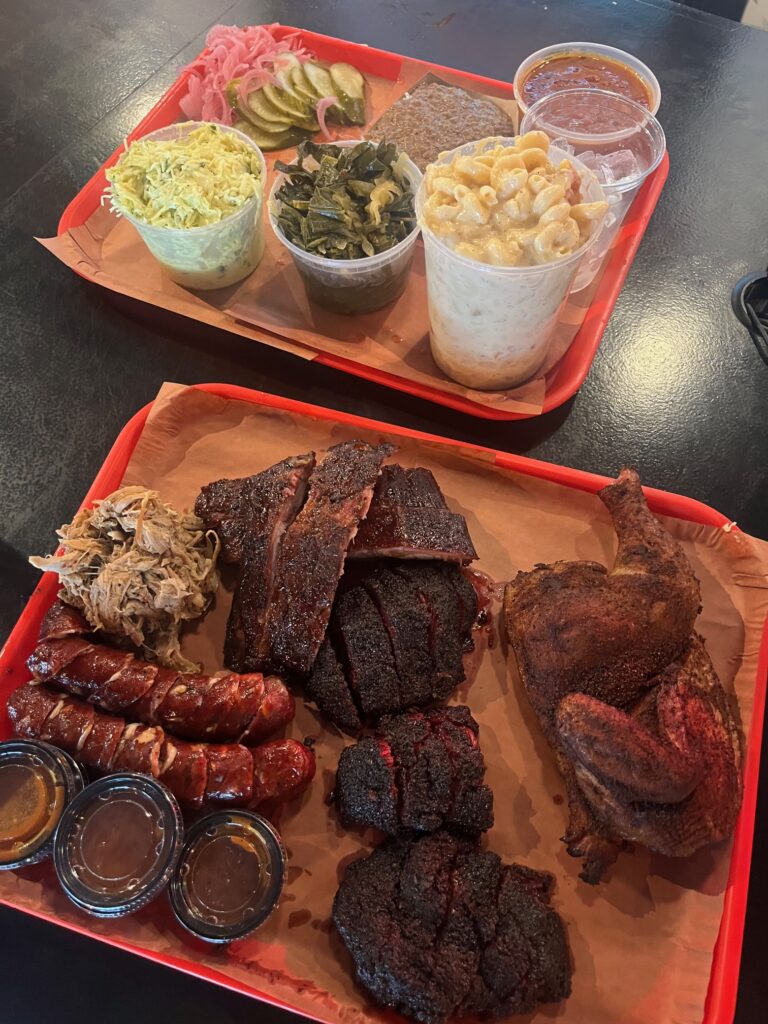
509,205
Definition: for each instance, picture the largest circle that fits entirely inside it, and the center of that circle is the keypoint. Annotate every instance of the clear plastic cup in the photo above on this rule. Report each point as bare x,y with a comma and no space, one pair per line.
491,327
619,140
216,255
351,286
561,49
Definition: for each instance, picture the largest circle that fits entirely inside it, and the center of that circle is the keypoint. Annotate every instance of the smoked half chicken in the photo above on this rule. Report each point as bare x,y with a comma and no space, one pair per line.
643,732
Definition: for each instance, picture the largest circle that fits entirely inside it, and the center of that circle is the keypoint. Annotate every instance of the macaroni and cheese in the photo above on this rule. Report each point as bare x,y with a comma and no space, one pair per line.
509,205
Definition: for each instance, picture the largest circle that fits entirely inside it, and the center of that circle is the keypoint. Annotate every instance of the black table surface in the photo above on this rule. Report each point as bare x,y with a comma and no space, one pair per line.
676,389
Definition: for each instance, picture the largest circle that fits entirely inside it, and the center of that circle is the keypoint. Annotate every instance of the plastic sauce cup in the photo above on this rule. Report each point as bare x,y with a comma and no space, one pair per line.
619,140
229,877
601,50
491,327
37,781
215,255
352,286
117,844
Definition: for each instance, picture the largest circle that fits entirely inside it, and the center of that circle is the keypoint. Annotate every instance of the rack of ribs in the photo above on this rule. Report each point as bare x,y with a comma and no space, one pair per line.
288,529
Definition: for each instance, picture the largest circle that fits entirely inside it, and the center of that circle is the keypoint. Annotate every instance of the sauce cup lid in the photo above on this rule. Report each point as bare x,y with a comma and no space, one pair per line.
229,876
37,781
117,844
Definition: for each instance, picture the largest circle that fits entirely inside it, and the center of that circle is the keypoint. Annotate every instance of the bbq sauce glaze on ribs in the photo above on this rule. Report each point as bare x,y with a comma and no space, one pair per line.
438,928
396,640
409,518
419,771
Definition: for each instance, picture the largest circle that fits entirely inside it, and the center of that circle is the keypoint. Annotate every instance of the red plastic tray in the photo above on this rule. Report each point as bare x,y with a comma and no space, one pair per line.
723,983
565,379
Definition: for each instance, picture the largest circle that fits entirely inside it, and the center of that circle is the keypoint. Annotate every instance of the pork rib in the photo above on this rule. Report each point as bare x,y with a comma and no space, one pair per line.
251,516
312,554
236,509
409,518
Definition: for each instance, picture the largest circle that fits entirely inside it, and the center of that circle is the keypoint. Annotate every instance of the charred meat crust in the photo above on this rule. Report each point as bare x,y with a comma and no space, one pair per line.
438,928
312,553
409,518
419,771
396,640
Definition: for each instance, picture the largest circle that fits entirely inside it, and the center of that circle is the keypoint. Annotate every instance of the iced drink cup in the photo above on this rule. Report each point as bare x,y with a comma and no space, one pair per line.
215,255
491,327
619,140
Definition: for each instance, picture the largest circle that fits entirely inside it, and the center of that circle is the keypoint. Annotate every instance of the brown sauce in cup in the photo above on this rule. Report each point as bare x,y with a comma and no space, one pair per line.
118,844
35,786
229,877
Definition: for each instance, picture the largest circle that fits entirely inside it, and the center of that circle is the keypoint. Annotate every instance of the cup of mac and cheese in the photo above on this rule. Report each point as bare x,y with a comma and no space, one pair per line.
506,223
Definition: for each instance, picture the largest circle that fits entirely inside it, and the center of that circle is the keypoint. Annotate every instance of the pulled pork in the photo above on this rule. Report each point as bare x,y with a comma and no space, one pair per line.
137,569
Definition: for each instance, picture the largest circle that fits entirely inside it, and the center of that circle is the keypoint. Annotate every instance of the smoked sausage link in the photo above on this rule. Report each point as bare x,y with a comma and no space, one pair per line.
220,709
199,774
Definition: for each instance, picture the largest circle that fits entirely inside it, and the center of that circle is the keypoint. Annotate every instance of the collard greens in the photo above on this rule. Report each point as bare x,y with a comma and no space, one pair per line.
351,202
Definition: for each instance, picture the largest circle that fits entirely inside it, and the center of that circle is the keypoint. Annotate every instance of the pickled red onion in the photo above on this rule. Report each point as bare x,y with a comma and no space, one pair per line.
320,109
232,52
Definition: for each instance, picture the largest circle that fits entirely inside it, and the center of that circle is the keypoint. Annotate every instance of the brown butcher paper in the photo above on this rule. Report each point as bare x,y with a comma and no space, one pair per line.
642,941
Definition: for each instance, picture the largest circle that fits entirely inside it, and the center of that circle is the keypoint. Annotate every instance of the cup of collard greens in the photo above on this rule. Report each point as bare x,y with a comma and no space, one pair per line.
346,213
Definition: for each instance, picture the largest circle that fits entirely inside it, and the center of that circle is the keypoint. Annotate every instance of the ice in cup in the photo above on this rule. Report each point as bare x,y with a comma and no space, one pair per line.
356,286
619,140
213,255
491,323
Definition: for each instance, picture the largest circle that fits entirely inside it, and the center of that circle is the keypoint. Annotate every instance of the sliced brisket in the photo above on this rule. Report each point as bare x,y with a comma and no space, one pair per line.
409,518
407,622
362,642
448,632
328,688
420,771
438,928
399,636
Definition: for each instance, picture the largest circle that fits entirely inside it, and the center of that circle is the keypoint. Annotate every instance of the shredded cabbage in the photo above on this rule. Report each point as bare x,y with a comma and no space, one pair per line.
188,182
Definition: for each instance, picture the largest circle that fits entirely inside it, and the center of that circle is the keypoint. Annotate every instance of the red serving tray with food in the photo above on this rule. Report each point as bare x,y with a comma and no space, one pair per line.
723,982
567,376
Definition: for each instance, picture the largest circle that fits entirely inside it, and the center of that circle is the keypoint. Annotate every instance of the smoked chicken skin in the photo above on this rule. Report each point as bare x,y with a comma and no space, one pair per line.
644,734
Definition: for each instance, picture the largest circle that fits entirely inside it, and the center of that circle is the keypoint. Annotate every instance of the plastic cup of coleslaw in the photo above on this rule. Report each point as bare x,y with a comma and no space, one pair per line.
215,255
491,327
356,286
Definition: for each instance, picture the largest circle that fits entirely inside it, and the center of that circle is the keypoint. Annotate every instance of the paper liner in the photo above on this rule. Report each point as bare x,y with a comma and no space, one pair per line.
642,941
